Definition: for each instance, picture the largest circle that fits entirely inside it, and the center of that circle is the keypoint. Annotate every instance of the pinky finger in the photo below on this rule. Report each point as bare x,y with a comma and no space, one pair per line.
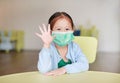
38,35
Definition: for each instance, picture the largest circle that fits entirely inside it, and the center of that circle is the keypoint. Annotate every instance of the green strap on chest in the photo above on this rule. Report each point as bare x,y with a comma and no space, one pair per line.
63,63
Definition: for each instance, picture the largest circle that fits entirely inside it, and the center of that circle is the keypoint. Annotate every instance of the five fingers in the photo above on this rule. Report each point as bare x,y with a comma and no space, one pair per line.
43,30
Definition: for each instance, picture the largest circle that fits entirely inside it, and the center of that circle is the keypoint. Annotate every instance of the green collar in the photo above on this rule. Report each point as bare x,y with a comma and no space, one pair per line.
63,63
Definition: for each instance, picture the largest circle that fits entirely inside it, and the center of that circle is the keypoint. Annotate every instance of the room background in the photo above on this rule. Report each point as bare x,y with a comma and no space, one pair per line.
27,15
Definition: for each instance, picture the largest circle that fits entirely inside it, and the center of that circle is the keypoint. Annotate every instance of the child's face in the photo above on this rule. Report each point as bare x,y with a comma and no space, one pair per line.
62,25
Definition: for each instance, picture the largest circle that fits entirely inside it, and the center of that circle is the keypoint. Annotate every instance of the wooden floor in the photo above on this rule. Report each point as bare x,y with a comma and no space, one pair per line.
27,61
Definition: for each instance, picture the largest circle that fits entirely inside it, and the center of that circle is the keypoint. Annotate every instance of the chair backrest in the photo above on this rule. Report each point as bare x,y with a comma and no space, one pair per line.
88,46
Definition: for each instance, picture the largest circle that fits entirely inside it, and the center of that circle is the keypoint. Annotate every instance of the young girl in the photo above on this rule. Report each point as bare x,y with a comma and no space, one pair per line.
59,54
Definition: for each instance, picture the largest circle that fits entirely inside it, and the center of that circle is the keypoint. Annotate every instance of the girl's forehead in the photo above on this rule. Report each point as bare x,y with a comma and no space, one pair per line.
63,19
62,22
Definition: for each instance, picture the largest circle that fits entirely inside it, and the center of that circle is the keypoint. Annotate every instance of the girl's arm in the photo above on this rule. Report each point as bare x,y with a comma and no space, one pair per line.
44,62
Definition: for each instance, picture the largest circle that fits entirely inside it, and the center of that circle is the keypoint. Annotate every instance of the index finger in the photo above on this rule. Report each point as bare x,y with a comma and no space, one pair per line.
49,28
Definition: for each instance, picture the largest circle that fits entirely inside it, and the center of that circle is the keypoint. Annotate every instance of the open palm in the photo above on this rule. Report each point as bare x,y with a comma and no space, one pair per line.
45,35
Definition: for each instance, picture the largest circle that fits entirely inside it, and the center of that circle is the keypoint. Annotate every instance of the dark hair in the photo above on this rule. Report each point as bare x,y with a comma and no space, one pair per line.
56,16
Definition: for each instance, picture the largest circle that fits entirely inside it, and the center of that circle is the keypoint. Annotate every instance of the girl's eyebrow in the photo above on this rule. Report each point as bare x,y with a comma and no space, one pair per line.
68,27
57,26
64,27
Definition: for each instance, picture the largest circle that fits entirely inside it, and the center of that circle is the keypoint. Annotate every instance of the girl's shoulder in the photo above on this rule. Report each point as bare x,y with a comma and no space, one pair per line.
74,45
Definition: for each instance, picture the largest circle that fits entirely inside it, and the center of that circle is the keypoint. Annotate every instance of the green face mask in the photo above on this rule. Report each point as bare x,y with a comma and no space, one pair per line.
62,38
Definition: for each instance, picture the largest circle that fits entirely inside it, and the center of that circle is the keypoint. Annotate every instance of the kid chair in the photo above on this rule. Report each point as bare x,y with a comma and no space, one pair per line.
5,41
88,45
13,39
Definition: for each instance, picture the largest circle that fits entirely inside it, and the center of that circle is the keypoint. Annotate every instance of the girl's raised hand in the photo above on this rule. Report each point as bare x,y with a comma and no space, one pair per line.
45,35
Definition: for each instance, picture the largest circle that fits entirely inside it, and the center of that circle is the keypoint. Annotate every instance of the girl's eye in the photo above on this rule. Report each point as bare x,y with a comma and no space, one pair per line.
67,29
58,29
